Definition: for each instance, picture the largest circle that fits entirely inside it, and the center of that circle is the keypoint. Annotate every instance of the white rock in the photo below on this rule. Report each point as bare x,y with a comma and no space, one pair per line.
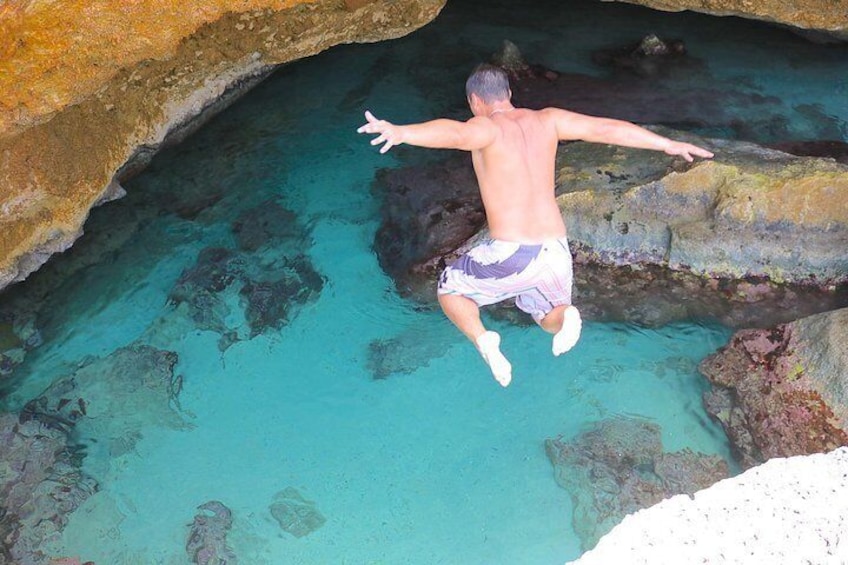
792,510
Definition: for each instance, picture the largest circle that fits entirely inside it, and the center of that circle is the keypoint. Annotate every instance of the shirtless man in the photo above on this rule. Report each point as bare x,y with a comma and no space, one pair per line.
527,258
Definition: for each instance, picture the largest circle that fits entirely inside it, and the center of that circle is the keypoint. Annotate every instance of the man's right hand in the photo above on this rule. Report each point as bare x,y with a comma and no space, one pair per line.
390,134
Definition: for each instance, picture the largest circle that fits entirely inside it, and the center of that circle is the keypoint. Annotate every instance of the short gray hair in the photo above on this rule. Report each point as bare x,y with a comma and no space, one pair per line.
489,82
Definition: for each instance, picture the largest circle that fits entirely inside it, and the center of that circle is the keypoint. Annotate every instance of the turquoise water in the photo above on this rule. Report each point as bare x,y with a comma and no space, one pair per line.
434,463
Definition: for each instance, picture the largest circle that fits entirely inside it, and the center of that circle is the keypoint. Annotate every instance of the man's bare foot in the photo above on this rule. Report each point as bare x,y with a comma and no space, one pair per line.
489,345
567,336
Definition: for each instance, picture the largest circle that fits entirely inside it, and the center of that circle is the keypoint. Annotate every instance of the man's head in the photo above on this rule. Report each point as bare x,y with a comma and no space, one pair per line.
489,83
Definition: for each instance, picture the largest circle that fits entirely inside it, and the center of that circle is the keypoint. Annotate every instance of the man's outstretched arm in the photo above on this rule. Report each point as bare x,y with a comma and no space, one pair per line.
476,133
573,126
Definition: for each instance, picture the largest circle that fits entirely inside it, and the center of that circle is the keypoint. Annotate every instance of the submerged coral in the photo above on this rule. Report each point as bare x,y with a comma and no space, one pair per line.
114,397
104,405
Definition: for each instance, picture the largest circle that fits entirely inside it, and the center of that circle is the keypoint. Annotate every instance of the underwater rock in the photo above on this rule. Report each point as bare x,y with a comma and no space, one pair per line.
675,91
405,353
427,211
18,335
263,224
41,484
200,285
782,391
650,57
295,514
268,274
271,304
207,538
109,401
653,296
618,467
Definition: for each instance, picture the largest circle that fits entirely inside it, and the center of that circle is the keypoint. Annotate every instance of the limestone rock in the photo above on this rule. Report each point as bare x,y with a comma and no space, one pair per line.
816,15
76,121
784,511
750,212
783,391
510,59
619,467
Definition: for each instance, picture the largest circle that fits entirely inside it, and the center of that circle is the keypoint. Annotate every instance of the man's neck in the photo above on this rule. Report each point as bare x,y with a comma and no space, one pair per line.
501,108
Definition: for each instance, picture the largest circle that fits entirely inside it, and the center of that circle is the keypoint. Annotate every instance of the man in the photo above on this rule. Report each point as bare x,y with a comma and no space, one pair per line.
513,151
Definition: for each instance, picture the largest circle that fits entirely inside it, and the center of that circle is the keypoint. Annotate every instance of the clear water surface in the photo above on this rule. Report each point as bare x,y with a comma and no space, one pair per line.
436,463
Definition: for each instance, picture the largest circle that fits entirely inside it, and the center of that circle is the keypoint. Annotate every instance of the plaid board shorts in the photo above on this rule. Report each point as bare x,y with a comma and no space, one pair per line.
538,275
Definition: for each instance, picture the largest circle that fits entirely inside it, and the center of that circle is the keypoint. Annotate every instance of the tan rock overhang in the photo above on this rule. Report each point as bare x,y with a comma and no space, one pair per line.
829,17
90,91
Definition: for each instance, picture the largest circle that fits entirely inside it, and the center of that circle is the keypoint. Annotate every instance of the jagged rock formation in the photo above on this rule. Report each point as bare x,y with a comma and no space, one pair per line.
824,16
783,391
82,111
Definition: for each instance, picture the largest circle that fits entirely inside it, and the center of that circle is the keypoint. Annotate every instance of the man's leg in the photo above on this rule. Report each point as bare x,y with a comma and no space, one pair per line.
552,323
565,323
465,315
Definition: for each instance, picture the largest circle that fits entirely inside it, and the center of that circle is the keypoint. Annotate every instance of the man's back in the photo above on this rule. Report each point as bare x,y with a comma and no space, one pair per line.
516,177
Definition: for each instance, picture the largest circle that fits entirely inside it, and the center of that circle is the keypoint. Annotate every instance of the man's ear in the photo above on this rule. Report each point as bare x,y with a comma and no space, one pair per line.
474,102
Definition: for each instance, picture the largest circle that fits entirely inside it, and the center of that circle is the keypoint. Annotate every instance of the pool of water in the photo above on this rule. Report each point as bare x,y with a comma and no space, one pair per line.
432,462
